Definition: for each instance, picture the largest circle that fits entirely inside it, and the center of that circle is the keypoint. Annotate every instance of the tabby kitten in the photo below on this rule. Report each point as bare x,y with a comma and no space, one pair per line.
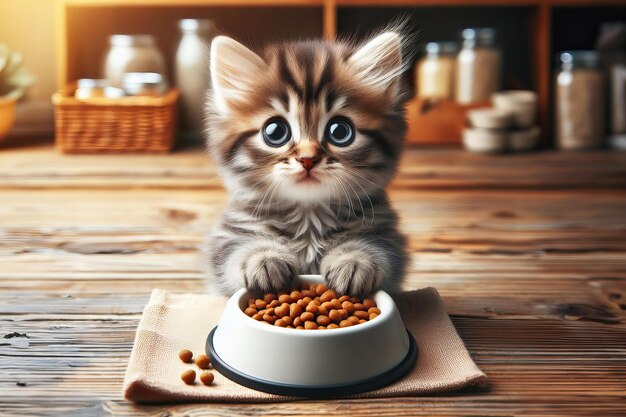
307,136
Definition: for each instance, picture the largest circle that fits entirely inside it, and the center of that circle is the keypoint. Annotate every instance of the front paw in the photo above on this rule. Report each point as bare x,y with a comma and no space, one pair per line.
351,273
269,271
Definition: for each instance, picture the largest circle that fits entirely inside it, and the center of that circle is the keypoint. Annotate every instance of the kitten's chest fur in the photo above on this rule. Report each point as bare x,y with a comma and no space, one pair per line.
308,232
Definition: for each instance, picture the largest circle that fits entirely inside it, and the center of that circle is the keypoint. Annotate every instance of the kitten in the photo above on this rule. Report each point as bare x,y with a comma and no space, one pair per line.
306,137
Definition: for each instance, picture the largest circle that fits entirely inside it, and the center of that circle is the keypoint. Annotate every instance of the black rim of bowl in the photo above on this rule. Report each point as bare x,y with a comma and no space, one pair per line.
313,391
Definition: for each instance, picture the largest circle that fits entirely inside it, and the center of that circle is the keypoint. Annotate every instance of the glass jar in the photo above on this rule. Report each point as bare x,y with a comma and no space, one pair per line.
192,71
435,72
131,53
478,66
579,101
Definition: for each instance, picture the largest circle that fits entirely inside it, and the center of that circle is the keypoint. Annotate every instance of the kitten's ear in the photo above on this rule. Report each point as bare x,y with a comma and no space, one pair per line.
378,63
233,71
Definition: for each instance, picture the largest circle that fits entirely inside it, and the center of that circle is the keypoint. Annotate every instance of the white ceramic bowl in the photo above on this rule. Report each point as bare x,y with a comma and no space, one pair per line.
489,118
521,103
484,140
524,140
311,363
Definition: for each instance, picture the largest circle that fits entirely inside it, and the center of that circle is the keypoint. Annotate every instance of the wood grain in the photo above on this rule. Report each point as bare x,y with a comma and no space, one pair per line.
528,252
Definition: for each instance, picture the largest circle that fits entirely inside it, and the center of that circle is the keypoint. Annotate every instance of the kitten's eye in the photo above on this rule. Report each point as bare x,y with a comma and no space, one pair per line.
339,131
276,132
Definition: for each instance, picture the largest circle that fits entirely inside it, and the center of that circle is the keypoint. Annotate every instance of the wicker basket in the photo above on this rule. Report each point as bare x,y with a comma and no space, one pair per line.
127,124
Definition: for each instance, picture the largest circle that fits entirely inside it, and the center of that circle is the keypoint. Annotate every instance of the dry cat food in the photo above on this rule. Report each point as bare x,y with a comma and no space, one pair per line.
202,362
313,307
189,376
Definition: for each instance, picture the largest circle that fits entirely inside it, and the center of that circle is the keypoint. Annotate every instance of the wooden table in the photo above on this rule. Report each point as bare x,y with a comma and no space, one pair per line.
528,252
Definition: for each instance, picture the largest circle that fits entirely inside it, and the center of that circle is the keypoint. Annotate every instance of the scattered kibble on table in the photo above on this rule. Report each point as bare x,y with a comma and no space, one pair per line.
207,378
185,355
189,376
203,361
312,307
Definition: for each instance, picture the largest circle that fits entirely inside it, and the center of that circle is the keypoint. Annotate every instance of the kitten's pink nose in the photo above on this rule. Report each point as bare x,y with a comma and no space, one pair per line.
308,163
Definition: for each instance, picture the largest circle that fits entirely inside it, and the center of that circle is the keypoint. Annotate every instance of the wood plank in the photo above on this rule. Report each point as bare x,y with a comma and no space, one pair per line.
534,278
42,167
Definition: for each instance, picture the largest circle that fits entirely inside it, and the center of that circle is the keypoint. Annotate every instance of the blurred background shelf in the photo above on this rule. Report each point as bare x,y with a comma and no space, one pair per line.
530,32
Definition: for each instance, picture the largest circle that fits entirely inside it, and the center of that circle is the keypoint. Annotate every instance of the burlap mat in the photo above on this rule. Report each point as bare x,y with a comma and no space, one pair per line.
172,322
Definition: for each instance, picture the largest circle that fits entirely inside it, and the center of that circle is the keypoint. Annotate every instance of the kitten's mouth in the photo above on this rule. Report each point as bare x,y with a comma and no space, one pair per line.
307,177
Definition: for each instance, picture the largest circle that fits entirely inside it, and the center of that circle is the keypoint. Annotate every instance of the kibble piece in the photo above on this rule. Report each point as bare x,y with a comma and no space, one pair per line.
288,320
302,303
203,361
207,378
185,355
307,316
260,304
320,289
310,325
295,310
269,319
344,313
362,321
335,316
355,300
282,311
373,316
321,311
274,303
361,314
300,328
251,301
269,297
189,376
307,293
269,311
312,308
258,317
285,298
353,319
348,306
345,323
344,298
250,311
280,323
369,303
332,326
323,320
358,306
297,322
374,310
328,295
335,304
306,300
296,295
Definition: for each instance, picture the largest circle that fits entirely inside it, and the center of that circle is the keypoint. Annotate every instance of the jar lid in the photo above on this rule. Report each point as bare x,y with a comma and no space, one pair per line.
195,25
92,83
579,59
131,40
137,83
442,47
479,36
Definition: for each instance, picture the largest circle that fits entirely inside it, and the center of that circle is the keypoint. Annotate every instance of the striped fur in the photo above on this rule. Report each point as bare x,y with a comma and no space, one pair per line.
276,225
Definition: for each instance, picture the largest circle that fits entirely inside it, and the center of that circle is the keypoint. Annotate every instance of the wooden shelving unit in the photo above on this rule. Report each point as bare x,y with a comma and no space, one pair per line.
83,26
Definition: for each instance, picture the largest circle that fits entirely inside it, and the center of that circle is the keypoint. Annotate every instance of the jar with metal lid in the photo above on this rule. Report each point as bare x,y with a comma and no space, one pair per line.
192,71
478,66
435,72
579,101
132,53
